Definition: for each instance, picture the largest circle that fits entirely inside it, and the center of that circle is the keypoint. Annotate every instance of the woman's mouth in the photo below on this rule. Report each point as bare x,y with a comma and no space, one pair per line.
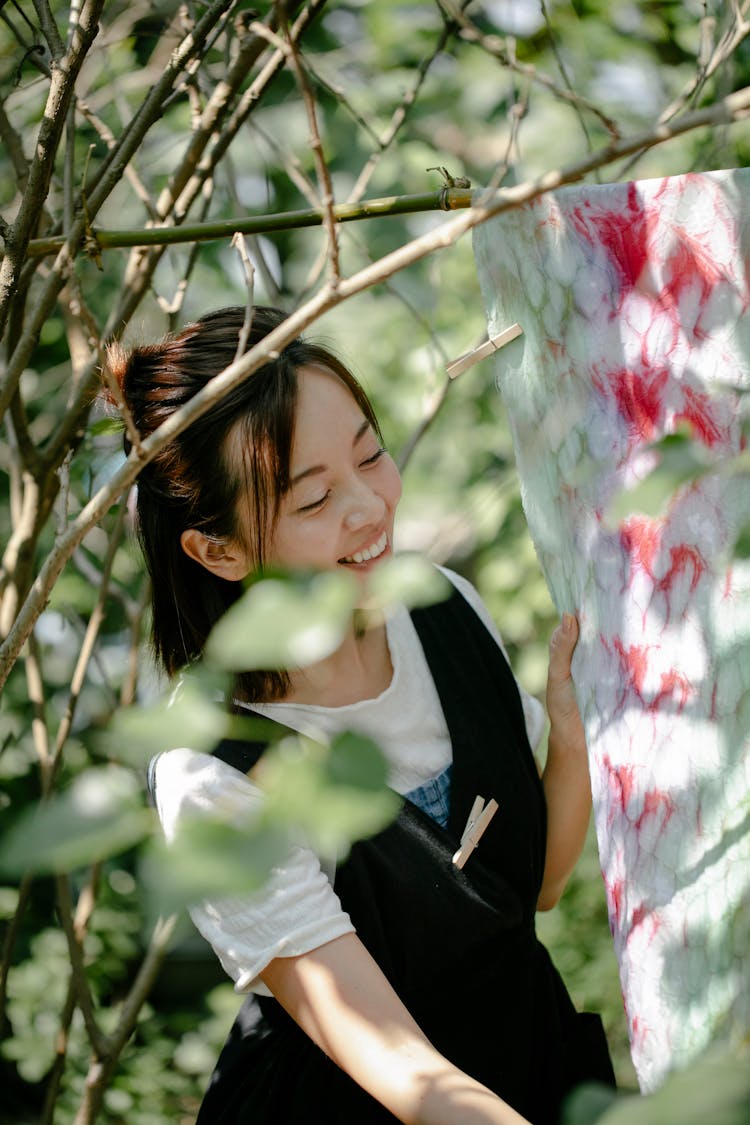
374,551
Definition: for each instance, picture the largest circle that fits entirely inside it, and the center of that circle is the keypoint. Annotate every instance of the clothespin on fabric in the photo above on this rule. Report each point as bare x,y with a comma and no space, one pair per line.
479,817
468,359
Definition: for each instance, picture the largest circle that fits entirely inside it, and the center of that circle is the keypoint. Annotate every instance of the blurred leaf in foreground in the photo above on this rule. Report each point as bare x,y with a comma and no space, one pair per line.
681,460
193,714
409,579
100,814
333,795
284,623
716,1090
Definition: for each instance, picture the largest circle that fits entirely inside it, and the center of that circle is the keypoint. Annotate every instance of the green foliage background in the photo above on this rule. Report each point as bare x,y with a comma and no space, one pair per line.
461,504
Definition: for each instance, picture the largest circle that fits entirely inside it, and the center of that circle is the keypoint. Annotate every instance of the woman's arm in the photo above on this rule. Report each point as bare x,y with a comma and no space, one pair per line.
567,787
341,999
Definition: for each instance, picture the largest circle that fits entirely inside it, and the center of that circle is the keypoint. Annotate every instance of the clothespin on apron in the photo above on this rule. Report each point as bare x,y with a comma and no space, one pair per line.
479,817
468,359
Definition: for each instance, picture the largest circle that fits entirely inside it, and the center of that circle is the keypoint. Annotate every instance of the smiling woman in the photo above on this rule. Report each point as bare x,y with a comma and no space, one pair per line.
400,985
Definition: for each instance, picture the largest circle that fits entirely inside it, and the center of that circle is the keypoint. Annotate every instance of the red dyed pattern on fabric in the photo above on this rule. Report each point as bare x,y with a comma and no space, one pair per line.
641,538
673,686
697,412
633,666
681,557
654,802
639,396
625,238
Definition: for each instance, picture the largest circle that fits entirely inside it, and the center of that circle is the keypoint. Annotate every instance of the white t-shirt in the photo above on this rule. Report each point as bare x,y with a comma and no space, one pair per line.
297,910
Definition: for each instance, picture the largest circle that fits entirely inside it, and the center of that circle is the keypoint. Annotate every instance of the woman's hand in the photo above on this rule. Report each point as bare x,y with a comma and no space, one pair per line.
567,788
562,707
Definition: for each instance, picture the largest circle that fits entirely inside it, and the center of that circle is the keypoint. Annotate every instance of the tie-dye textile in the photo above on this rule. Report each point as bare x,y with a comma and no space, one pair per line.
633,300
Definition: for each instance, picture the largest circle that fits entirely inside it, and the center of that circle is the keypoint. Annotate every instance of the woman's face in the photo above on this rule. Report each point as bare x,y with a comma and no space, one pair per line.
344,487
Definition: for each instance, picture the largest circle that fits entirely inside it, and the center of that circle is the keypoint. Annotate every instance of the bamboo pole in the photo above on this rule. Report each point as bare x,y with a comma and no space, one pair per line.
447,199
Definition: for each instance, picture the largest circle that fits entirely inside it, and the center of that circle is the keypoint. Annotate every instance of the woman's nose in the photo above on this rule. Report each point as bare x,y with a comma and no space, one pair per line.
363,507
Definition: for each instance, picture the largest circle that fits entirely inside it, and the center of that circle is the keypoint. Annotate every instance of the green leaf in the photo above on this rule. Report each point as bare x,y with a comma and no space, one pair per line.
210,858
282,623
714,1089
356,761
100,814
193,715
332,795
409,579
681,460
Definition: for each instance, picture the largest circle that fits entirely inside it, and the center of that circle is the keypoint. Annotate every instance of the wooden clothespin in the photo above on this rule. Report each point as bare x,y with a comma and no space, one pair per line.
468,359
479,817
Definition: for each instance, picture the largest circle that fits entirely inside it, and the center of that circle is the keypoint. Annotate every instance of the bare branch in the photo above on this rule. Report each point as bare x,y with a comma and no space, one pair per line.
39,732
104,1064
9,943
239,244
107,180
564,74
251,46
87,647
49,29
61,89
83,994
400,114
14,148
141,266
496,47
325,185
707,63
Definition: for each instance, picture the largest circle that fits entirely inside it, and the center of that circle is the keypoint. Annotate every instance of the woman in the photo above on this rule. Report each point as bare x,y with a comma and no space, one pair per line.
397,987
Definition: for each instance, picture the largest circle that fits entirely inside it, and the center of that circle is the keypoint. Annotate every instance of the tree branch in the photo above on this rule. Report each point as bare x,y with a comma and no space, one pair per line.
64,75
107,180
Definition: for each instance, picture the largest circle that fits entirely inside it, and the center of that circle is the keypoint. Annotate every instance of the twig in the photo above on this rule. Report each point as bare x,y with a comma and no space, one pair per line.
89,640
62,84
54,1076
104,1064
495,46
400,114
39,731
291,165
564,73
325,186
141,266
707,63
238,242
83,993
49,29
9,942
130,679
172,308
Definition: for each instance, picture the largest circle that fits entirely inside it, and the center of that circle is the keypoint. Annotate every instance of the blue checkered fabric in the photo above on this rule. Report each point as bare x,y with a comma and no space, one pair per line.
434,797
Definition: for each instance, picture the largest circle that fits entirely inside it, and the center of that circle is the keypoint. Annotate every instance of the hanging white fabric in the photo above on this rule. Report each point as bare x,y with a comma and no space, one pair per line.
633,300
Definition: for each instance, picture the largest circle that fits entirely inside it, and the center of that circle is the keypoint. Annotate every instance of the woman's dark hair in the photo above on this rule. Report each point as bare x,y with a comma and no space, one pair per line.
196,482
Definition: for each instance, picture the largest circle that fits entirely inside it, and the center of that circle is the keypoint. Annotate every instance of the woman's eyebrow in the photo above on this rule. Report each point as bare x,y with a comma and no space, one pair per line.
321,468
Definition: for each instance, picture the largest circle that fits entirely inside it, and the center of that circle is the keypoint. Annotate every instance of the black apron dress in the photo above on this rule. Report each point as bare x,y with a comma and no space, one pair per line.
458,946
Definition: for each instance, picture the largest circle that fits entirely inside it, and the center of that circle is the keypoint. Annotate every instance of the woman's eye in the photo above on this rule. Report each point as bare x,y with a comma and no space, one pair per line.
376,456
314,504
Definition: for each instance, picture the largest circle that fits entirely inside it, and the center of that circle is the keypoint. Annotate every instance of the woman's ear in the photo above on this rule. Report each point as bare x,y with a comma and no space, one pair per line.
223,558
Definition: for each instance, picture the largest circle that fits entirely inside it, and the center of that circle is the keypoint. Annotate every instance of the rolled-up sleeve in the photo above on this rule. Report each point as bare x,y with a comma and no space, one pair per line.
295,911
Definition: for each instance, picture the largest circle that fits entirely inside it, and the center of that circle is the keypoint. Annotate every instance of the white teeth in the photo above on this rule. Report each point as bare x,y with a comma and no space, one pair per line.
371,552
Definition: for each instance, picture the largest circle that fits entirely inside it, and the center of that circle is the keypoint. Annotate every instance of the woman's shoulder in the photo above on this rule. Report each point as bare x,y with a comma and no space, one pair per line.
186,782
470,594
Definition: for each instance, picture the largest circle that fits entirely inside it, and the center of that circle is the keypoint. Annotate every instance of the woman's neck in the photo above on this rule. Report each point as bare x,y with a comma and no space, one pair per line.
360,668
